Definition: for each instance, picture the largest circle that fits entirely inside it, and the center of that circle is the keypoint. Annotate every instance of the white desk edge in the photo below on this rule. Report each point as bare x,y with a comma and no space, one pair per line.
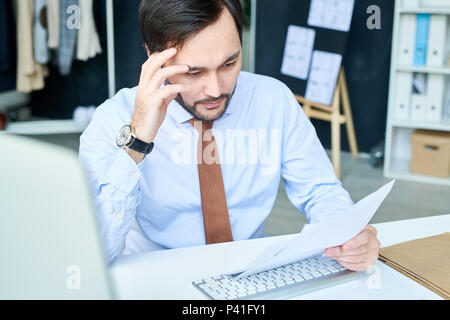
168,274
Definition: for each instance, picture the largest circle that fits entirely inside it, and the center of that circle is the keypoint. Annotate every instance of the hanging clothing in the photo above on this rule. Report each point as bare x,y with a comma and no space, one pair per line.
4,37
53,23
41,52
69,21
30,74
88,42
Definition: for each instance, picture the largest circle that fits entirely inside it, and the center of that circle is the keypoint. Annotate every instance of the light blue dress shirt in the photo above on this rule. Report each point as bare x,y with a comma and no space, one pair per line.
263,136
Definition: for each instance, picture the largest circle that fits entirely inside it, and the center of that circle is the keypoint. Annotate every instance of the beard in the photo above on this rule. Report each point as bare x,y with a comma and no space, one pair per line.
193,109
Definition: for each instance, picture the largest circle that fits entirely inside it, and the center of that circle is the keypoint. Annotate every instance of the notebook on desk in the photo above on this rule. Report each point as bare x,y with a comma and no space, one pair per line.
425,260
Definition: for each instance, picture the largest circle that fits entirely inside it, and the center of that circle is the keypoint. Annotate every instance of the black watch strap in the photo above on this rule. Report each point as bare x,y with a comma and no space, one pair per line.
141,146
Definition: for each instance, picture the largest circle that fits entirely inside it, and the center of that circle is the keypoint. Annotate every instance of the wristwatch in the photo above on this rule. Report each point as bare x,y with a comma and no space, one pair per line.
127,139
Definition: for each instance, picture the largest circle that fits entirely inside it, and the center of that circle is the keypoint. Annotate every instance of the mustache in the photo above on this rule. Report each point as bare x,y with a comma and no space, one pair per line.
212,100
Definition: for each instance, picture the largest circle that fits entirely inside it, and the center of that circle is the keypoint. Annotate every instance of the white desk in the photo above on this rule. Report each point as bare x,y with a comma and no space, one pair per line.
168,274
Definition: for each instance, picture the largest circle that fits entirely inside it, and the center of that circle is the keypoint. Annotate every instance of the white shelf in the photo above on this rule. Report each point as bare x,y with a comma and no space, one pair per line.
44,127
400,170
398,132
439,70
444,125
443,10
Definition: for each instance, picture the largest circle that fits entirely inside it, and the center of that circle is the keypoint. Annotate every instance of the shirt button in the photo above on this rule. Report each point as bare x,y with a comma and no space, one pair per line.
119,215
135,176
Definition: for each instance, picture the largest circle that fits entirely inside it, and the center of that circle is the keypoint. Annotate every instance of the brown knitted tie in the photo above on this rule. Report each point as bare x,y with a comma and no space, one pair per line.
214,202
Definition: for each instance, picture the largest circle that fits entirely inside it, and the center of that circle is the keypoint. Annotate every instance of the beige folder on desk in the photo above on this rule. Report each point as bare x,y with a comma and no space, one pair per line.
426,261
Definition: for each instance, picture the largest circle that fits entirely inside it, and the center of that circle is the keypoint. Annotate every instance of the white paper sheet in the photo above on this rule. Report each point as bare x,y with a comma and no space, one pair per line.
323,77
316,237
331,14
298,50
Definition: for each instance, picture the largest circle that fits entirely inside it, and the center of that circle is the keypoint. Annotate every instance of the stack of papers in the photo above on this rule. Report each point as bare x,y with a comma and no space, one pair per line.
315,238
426,261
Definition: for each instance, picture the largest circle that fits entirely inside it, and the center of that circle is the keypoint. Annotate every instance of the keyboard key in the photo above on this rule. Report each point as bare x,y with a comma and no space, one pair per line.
325,272
307,276
262,289
332,269
329,262
338,266
204,285
219,296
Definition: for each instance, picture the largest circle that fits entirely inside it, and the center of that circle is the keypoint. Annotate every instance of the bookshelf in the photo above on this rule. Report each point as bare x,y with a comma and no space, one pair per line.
398,132
45,126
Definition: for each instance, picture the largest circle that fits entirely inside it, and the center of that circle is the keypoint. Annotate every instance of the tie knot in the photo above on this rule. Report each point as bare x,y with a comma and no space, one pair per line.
201,126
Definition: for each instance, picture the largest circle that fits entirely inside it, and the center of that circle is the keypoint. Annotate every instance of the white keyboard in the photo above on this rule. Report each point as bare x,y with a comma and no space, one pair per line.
279,283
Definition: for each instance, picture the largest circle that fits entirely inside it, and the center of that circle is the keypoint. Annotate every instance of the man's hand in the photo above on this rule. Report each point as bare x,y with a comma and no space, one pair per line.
151,100
359,253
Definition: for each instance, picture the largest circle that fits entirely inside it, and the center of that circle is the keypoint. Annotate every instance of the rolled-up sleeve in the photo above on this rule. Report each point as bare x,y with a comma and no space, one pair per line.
310,181
114,177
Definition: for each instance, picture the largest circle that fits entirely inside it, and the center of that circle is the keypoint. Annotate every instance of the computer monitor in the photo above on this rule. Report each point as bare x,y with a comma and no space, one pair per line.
50,244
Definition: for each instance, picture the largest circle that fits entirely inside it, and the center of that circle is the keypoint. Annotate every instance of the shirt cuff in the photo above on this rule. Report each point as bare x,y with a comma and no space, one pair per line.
124,174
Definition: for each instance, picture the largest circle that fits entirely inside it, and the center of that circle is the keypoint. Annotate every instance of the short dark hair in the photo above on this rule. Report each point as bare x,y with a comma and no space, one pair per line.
168,23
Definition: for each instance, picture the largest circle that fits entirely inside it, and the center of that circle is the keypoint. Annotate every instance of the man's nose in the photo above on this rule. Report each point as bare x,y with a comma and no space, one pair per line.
212,86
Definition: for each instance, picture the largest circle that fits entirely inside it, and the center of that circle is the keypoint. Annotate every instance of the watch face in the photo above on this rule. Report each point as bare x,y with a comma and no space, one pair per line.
124,136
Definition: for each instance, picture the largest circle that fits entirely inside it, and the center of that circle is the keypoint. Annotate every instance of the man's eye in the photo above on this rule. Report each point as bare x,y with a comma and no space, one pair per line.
194,74
229,65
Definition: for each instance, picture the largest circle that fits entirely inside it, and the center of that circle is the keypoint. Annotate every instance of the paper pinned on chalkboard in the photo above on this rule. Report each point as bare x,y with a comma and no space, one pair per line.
331,14
323,77
297,52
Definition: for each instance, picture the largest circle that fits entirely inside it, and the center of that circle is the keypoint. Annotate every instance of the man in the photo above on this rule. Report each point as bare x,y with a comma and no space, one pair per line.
212,143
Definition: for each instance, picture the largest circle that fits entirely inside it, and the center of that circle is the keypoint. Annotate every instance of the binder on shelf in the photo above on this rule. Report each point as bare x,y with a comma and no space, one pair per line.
418,107
409,4
420,50
447,49
435,97
436,40
446,107
403,91
407,34
435,3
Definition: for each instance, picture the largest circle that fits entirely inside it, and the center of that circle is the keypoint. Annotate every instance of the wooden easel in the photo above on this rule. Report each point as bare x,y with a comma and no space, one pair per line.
333,114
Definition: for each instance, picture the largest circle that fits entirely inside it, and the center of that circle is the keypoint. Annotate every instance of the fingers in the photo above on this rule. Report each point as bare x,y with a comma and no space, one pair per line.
361,239
336,252
144,71
357,241
155,62
363,257
362,262
358,254
163,74
363,266
172,90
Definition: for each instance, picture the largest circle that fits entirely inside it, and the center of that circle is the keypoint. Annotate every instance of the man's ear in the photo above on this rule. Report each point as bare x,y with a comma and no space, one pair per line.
147,50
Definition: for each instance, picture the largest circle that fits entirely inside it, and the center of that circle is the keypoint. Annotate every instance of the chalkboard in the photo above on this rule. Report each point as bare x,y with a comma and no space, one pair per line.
367,65
273,19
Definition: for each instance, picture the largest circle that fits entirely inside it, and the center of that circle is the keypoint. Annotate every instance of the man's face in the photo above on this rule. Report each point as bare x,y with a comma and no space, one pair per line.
214,56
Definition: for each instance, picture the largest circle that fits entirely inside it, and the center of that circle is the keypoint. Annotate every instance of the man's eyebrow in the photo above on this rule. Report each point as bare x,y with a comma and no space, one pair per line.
234,56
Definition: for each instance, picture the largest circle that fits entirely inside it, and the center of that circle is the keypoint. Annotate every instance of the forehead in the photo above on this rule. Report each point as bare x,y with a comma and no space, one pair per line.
212,45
